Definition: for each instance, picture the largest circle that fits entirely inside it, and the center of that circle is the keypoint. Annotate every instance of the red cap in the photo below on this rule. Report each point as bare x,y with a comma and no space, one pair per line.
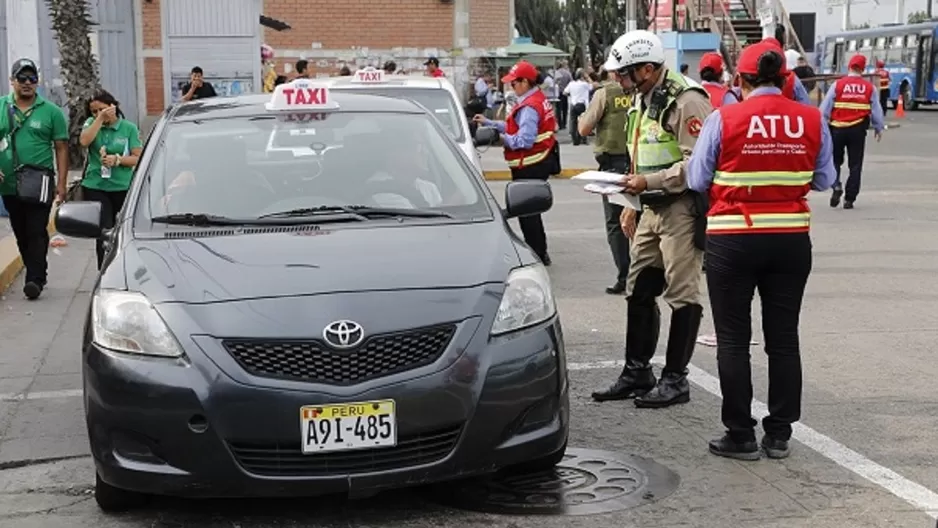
749,58
522,70
880,64
713,61
857,62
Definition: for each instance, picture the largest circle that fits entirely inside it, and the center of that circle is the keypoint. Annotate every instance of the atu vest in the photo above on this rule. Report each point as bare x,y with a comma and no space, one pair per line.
543,142
610,132
852,95
883,78
717,93
768,153
788,89
651,146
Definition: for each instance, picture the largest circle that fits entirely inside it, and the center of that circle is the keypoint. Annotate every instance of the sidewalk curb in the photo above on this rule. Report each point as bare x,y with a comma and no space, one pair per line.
10,262
505,175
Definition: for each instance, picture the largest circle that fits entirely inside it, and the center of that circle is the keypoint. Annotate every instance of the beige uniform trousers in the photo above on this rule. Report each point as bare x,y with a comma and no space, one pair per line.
664,239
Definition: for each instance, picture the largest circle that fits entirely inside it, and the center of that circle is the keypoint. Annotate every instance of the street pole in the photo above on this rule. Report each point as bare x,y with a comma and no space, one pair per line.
845,24
928,9
900,11
631,15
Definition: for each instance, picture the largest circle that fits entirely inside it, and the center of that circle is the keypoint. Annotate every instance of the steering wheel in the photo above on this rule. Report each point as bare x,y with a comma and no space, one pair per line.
393,186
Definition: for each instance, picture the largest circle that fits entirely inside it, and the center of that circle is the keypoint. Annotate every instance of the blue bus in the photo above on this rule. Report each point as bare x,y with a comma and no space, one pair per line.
907,49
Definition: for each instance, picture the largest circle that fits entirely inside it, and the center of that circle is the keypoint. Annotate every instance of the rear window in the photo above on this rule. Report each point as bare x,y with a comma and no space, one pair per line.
438,101
246,167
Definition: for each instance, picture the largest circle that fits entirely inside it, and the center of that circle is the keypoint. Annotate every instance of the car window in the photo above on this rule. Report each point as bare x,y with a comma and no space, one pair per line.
245,167
438,101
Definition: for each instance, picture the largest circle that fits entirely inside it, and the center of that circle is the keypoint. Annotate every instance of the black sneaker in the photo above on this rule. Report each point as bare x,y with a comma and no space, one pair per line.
729,448
616,289
848,204
835,197
32,290
775,448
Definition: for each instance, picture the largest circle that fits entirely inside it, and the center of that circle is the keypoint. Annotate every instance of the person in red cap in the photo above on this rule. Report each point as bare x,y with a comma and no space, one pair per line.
530,144
758,160
849,107
883,77
711,76
793,87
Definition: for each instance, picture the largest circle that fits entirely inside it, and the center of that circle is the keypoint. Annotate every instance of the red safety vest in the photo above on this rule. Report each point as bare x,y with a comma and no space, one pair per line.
546,125
883,79
717,93
788,89
852,95
768,152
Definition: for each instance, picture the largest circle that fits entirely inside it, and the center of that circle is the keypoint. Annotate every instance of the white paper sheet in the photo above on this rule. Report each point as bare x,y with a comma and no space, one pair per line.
598,176
614,194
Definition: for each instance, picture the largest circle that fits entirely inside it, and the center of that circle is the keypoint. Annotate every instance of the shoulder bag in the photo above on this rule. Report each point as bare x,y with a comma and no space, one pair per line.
34,184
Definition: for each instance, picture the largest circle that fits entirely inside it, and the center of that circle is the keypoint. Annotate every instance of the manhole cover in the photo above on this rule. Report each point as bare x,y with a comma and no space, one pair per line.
586,482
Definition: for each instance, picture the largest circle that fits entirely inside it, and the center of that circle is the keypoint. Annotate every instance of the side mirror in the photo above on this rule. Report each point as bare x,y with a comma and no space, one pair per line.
485,136
79,219
526,198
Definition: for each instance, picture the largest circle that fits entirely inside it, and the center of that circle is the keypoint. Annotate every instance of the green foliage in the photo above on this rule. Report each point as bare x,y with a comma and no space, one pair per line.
918,16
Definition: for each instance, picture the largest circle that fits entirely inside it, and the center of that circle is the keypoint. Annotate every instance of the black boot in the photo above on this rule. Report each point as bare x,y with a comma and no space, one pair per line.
641,340
673,387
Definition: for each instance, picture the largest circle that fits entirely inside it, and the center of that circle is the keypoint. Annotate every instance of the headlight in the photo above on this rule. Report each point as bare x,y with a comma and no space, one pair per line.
127,322
528,300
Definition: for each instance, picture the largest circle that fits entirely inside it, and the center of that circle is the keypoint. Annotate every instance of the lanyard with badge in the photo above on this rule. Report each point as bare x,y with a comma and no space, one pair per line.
15,123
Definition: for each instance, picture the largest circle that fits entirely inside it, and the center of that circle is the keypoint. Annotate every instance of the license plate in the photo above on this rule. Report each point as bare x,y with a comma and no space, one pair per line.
348,426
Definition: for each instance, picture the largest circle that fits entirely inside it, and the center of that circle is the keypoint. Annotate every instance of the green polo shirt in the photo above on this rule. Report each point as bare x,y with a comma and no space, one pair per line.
118,138
41,124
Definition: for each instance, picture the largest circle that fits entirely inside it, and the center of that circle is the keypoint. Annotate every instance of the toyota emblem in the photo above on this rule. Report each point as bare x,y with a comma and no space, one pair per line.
344,334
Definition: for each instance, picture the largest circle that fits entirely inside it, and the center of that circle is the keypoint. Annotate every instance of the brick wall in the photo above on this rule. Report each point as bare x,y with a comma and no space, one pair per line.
152,39
488,23
152,66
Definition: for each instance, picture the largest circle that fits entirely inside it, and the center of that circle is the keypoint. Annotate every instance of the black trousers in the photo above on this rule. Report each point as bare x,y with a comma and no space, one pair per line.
777,265
618,242
532,227
851,140
884,100
575,114
111,204
563,108
30,224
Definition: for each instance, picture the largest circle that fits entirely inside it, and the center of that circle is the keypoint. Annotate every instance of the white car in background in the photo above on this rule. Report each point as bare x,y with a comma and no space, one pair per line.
436,94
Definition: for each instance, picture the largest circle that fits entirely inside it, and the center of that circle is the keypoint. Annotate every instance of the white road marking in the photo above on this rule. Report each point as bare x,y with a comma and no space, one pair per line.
912,493
41,395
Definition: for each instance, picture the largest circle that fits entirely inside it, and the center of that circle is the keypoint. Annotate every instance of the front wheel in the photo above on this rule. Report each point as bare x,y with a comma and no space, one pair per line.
116,500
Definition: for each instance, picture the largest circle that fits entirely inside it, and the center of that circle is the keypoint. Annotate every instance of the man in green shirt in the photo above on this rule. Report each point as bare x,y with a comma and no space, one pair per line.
33,132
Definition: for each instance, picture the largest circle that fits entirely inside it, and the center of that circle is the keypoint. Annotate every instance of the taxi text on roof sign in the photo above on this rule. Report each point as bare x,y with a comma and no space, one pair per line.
369,75
301,95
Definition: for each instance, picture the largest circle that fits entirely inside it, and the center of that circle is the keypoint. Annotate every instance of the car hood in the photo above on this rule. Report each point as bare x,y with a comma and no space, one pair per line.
245,266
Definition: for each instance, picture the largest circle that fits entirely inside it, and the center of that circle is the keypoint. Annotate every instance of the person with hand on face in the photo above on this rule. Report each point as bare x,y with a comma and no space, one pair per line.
758,160
528,134
114,147
667,243
197,88
33,149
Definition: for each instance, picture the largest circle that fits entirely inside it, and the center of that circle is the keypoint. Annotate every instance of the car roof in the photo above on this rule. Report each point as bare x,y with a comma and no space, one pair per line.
391,81
252,105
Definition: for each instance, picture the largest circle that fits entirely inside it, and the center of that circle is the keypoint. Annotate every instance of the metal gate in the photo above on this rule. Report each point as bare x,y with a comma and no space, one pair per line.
116,51
4,67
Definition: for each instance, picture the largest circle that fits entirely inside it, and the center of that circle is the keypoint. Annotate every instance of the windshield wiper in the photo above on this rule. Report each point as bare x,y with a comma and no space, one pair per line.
197,219
361,212
314,211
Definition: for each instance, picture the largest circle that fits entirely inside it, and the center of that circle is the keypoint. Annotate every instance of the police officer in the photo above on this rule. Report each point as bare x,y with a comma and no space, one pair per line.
528,136
711,78
666,245
849,106
608,115
758,160
883,77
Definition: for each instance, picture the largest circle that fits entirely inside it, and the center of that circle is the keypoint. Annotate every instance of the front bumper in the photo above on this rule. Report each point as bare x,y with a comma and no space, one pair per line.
190,428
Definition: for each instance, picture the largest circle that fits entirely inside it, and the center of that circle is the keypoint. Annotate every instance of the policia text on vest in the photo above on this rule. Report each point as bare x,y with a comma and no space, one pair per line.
666,253
608,114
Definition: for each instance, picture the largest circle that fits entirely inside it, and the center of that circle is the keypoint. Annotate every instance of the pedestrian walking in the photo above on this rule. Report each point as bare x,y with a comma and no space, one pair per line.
33,150
758,160
528,134
849,107
114,147
578,93
883,77
562,78
667,244
608,114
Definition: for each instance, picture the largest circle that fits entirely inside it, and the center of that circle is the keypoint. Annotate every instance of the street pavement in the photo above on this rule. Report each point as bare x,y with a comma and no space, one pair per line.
864,455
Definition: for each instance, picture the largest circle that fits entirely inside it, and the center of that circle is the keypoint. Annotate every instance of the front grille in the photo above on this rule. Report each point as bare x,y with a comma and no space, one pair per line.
315,361
287,460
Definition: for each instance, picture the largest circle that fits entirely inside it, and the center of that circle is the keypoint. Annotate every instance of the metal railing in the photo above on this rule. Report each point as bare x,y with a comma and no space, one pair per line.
712,15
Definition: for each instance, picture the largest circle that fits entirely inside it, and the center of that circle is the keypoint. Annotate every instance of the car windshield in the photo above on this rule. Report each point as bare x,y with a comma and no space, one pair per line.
438,101
266,166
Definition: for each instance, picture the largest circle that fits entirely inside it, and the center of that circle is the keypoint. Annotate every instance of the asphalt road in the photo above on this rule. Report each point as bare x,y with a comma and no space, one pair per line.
865,453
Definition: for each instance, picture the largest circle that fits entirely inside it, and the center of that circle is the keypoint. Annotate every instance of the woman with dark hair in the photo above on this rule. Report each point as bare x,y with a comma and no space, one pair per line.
114,147
758,160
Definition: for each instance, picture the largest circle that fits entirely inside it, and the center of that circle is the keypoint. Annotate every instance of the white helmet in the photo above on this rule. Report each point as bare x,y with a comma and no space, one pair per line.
635,47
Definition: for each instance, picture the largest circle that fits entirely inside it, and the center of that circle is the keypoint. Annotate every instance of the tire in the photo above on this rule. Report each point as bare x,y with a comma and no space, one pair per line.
544,463
116,500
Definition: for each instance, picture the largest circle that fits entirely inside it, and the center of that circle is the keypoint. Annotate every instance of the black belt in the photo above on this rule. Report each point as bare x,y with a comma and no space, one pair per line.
659,199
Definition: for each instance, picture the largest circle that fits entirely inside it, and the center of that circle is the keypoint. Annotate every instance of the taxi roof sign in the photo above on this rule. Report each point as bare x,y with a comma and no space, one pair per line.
301,95
369,75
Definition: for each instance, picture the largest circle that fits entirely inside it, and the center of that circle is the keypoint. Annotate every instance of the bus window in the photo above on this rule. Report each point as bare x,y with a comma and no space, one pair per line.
851,45
881,43
866,45
910,51
898,42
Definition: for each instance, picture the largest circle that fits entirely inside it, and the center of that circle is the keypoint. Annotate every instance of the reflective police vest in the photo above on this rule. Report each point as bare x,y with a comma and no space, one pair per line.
610,131
652,147
543,142
717,93
768,152
852,96
883,78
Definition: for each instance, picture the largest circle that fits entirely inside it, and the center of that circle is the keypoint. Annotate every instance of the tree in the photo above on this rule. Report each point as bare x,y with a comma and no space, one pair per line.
71,21
918,16
540,20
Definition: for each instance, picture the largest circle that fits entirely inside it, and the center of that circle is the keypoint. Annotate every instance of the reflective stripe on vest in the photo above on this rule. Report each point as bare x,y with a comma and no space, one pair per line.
758,179
544,141
764,221
852,102
534,158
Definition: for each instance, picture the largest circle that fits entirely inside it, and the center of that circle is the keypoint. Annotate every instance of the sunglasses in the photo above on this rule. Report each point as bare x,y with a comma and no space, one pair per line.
23,79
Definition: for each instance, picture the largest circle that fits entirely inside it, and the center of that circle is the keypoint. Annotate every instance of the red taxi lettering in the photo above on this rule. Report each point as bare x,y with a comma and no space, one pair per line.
305,96
369,76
